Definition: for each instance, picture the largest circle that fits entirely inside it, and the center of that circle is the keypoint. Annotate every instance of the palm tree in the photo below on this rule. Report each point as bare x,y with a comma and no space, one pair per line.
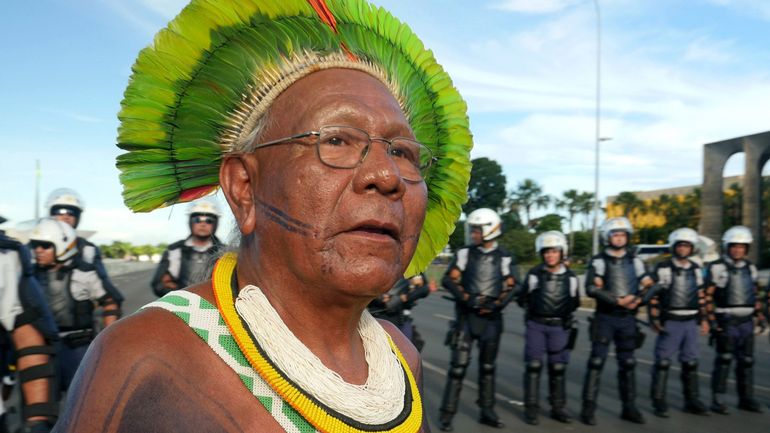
529,194
630,203
586,206
570,203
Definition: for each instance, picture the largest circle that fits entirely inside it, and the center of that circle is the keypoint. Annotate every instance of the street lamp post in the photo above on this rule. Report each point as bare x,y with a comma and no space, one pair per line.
598,120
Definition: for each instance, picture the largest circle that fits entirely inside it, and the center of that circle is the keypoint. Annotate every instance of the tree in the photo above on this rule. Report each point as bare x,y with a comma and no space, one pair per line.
586,207
551,221
630,203
570,202
529,194
732,206
486,187
520,243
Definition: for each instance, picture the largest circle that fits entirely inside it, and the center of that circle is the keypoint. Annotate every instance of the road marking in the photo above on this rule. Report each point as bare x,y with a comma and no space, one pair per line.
436,369
442,316
701,374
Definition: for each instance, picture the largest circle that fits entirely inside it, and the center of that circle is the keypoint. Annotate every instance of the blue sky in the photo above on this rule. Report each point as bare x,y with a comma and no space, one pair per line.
676,74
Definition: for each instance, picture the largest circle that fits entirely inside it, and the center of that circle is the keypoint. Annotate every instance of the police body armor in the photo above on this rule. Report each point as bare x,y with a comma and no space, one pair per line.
552,298
739,291
683,293
194,264
68,313
620,279
483,275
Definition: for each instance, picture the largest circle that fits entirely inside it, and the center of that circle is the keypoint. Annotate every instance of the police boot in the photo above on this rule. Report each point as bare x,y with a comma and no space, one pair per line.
690,387
719,382
451,398
3,425
627,388
658,391
487,397
532,391
36,427
557,392
591,390
744,376
445,421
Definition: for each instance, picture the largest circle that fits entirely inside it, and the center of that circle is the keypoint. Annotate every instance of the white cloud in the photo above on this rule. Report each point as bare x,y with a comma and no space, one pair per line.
665,93
706,50
534,6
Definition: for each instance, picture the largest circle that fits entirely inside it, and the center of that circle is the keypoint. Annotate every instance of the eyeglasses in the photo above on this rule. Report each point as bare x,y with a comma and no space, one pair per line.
203,219
64,211
347,147
33,245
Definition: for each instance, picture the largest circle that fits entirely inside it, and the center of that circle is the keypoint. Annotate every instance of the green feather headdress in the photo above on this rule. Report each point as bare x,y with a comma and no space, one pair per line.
197,91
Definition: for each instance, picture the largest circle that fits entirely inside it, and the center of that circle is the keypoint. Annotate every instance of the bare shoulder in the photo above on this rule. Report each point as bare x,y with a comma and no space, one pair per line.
151,372
406,347
412,357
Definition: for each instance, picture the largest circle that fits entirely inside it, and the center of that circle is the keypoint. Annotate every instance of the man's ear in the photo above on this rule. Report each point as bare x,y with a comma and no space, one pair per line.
236,176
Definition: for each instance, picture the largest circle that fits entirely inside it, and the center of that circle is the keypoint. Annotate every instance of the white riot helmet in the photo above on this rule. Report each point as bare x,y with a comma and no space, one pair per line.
203,207
65,200
65,197
60,234
486,219
614,225
737,235
707,249
683,234
552,239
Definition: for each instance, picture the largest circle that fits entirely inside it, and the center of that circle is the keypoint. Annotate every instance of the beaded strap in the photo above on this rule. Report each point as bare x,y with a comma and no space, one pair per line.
204,319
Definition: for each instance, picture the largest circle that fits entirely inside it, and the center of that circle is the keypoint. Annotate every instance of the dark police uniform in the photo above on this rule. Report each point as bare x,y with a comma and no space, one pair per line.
677,308
621,276
550,298
22,303
71,292
90,254
732,288
395,306
186,263
484,274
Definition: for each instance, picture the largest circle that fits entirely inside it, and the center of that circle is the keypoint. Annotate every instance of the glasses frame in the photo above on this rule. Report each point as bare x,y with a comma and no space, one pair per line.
207,219
424,171
46,245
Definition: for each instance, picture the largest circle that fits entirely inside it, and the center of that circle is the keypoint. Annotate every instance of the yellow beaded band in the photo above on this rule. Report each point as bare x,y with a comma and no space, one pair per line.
316,414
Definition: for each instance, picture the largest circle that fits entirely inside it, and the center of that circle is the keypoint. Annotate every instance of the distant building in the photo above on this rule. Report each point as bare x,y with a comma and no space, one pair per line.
648,218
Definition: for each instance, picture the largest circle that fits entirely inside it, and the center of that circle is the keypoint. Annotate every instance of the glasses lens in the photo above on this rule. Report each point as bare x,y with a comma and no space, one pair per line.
341,146
412,158
203,219
40,244
63,211
345,147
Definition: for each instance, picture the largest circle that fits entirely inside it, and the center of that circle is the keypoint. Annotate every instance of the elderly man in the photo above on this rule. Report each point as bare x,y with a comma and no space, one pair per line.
345,162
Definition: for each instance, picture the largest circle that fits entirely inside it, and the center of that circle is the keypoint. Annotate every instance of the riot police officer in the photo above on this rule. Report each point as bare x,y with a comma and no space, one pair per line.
676,312
71,288
67,206
482,279
188,261
33,333
550,295
396,304
618,281
733,305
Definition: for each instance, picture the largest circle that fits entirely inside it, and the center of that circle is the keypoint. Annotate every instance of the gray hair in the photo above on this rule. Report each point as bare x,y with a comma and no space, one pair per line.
250,140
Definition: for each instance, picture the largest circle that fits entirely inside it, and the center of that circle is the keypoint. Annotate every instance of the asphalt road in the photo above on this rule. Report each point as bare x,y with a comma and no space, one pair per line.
432,316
